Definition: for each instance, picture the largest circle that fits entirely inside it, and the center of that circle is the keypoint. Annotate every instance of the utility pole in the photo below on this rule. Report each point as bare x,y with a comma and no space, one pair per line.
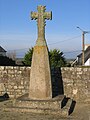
83,44
83,47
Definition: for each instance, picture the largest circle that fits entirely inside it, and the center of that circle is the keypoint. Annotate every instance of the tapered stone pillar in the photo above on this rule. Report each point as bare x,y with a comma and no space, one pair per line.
40,77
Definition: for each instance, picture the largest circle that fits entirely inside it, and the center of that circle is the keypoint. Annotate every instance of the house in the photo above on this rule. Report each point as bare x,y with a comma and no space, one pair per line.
78,60
2,51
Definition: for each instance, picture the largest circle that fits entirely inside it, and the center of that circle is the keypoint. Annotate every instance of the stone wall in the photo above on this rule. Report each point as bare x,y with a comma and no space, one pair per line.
76,83
14,80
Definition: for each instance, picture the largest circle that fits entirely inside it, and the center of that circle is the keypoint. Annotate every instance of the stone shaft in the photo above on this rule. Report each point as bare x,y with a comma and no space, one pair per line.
40,79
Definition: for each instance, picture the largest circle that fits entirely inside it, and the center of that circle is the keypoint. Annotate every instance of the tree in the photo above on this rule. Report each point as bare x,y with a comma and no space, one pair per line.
28,57
55,56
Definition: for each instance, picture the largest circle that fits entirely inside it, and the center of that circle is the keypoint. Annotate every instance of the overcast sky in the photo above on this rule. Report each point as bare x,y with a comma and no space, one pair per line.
18,32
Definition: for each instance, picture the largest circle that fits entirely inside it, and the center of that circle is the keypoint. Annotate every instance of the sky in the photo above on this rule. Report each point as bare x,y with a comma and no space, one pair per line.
18,32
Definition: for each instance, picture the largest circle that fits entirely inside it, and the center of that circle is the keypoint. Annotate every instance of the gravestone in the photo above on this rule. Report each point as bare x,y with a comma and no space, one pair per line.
40,77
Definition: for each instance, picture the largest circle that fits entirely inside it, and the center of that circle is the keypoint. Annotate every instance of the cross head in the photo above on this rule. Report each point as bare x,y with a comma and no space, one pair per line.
40,16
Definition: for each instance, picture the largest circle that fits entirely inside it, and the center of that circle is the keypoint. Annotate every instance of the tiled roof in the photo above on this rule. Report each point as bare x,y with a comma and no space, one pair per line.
2,50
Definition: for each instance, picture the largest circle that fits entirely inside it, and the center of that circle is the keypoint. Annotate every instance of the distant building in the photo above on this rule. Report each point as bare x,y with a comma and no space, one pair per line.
2,51
78,60
19,61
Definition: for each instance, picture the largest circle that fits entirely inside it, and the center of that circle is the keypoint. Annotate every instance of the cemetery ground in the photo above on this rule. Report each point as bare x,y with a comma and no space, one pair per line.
81,112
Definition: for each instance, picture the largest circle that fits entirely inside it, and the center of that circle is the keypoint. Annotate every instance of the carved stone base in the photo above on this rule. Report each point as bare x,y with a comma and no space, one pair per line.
54,103
55,106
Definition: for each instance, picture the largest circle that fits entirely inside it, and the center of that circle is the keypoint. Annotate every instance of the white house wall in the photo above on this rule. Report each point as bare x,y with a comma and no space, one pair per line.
87,63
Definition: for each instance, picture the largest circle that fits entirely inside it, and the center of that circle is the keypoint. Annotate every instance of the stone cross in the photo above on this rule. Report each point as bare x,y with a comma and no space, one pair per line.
40,87
41,15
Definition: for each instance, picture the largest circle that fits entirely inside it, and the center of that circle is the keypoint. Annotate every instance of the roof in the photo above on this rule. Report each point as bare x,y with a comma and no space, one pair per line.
88,49
2,50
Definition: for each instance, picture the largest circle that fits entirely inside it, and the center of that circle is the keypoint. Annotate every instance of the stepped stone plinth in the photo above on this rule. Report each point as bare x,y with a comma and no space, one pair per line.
55,106
25,102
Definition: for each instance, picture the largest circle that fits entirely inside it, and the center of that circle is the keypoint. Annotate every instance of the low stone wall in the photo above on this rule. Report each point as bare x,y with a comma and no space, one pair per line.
76,83
14,80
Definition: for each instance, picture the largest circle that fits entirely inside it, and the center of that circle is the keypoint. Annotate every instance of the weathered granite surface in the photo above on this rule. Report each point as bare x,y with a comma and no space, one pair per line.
76,81
81,112
40,77
14,80
54,103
